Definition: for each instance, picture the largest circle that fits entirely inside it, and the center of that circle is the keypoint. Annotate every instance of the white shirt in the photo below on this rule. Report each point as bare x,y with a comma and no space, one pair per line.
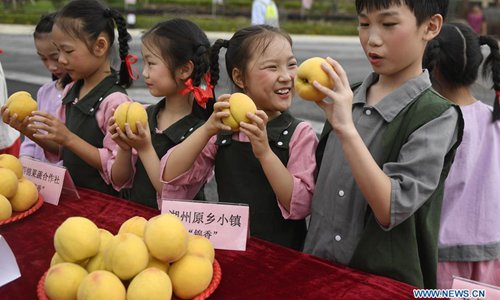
259,10
8,135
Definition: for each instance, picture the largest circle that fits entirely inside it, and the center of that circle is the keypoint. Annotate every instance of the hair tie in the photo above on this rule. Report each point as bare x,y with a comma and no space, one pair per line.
201,93
129,61
225,43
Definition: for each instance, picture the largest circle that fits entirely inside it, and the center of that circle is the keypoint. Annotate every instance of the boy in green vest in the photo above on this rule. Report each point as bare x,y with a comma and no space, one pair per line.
386,150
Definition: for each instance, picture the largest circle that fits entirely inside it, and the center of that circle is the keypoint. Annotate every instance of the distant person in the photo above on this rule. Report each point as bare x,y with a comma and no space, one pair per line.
265,12
469,235
477,20
9,137
49,95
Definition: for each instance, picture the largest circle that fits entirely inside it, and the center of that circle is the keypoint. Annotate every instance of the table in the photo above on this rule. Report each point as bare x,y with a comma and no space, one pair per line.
263,271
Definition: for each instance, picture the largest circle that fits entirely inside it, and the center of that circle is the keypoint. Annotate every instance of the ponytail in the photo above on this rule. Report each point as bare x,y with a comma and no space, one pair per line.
214,59
431,55
124,37
492,64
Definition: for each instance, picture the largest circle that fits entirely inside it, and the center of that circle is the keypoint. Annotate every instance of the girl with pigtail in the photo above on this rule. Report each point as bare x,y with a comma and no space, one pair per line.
177,68
270,163
83,33
469,235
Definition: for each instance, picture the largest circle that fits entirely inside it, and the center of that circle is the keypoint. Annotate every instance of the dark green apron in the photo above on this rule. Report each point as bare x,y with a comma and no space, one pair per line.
240,179
142,190
81,120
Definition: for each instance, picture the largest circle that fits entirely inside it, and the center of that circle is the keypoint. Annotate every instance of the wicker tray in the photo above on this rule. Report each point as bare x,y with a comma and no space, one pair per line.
16,216
216,278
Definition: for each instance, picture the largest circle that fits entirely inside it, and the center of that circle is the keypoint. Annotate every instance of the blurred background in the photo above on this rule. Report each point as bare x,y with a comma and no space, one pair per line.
329,17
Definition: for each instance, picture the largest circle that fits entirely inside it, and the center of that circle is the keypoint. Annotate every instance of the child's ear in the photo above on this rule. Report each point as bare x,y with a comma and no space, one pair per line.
238,79
101,45
433,27
185,71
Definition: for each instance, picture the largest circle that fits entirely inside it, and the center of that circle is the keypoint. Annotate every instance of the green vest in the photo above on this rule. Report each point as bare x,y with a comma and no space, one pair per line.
142,190
241,179
409,251
80,119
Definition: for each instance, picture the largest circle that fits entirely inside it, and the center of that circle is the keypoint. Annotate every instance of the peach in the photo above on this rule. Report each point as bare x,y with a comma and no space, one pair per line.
309,71
130,113
240,105
22,104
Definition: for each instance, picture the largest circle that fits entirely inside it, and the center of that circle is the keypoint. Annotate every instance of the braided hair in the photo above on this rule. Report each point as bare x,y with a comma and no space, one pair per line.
179,42
87,19
456,52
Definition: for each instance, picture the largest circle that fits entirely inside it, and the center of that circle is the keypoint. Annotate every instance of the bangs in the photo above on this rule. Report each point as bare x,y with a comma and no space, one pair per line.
373,5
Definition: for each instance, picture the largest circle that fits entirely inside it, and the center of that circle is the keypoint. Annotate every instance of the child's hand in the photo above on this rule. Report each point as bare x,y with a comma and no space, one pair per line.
116,134
338,111
257,133
138,141
214,124
48,127
21,126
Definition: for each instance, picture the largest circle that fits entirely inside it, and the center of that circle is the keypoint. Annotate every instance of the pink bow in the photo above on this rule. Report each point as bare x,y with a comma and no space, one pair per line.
129,61
201,93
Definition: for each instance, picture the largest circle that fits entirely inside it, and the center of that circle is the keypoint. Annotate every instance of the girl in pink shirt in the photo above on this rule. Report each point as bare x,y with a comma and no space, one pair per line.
269,163
83,33
49,96
469,234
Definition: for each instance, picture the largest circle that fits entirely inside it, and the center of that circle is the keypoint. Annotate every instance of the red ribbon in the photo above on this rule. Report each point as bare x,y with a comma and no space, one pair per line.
129,61
1,51
201,93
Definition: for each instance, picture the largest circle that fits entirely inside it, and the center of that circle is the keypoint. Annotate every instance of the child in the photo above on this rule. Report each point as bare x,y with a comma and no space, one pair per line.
83,33
382,167
469,236
176,65
49,95
270,163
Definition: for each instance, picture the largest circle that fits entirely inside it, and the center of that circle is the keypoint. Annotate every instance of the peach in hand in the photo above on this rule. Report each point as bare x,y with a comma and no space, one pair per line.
240,104
309,71
130,112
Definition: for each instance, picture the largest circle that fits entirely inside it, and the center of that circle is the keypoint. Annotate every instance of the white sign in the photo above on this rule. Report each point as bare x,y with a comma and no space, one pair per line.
49,179
224,224
8,264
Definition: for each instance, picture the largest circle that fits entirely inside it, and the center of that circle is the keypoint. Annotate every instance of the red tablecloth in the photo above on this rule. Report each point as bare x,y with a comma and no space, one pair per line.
263,271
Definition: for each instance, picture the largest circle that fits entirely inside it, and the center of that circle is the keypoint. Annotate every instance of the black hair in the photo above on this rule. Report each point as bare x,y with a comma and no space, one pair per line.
456,52
422,9
242,46
44,26
87,19
181,41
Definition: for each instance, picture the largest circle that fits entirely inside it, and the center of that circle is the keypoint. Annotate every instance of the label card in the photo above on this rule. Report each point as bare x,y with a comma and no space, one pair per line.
224,224
49,179
8,265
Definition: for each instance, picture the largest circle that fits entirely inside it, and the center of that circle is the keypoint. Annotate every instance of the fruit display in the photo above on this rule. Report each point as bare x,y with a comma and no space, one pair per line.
308,72
22,104
18,195
240,105
130,113
147,259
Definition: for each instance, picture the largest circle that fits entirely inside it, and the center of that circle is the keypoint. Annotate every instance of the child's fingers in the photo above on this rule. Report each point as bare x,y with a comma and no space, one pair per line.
42,114
219,106
328,92
337,82
341,73
223,98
